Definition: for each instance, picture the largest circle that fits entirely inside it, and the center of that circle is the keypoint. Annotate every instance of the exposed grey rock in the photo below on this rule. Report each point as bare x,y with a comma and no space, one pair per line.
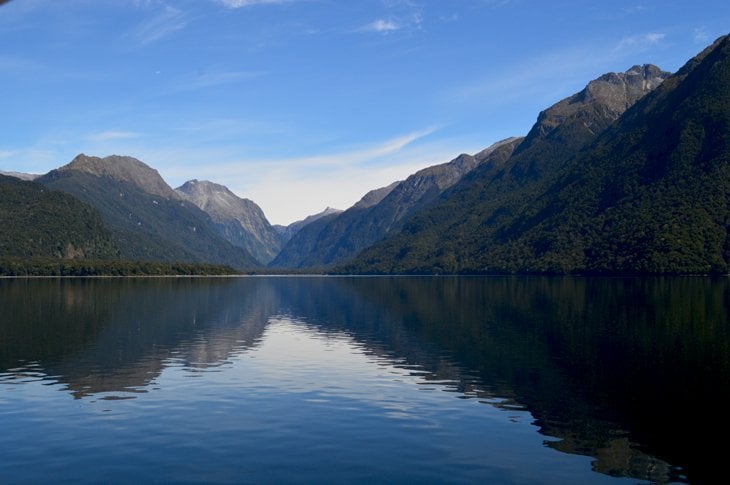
610,94
240,221
123,169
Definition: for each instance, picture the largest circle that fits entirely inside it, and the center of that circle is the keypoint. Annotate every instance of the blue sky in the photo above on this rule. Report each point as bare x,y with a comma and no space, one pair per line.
303,104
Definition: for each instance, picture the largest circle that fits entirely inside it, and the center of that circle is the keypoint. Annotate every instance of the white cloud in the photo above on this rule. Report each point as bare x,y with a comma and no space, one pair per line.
168,21
381,25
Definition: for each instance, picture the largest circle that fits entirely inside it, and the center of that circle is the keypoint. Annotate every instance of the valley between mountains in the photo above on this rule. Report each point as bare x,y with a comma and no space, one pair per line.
631,175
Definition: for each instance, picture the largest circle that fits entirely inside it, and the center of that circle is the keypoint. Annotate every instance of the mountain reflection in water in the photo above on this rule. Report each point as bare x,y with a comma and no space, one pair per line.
620,370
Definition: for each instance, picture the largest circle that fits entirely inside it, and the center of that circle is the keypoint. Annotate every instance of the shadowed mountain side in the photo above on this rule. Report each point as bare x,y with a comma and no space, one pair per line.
382,210
240,221
37,222
579,206
149,220
303,241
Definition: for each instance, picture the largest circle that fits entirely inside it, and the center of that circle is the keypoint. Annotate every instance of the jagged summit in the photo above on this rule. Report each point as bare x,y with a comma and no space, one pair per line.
122,169
610,95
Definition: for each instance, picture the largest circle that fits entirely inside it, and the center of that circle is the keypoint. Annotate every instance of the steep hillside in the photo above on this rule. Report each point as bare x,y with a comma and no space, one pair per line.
382,210
149,220
474,225
38,222
240,221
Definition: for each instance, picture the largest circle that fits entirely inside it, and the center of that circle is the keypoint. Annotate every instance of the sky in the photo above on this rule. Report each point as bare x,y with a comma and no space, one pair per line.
303,104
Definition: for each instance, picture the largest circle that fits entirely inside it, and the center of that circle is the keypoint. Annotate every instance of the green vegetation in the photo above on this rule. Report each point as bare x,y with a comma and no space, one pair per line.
649,195
37,222
148,227
90,267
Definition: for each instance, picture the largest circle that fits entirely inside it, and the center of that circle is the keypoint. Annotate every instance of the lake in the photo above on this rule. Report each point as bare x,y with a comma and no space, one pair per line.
326,379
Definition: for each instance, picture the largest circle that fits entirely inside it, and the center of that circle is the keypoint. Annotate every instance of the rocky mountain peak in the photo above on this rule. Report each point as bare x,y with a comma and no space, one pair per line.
240,221
605,98
206,194
122,169
374,196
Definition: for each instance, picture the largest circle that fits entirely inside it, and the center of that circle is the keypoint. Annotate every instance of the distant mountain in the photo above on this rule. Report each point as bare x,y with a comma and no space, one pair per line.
20,175
38,222
495,219
303,242
382,210
240,221
287,232
149,220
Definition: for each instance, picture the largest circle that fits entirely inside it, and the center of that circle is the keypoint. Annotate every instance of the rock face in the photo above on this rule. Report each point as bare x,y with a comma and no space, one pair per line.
122,169
239,221
587,191
149,220
380,211
608,97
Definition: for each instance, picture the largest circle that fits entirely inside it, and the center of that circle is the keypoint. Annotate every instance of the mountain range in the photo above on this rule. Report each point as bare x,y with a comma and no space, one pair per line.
629,175
644,192
148,219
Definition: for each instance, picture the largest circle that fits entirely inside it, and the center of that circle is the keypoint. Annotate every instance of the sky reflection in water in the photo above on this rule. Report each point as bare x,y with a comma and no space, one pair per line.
332,379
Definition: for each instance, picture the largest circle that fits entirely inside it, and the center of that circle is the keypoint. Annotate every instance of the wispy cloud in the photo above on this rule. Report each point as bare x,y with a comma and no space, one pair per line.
7,153
701,36
632,9
400,15
367,155
209,79
335,179
168,21
113,135
249,3
639,42
381,25
542,79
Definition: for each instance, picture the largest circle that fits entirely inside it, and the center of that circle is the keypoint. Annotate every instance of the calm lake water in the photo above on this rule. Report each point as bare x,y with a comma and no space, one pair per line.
492,380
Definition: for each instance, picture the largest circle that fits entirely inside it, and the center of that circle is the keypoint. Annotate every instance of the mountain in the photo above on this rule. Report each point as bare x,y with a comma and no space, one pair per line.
38,222
147,218
240,221
497,220
20,175
305,248
287,232
375,196
382,210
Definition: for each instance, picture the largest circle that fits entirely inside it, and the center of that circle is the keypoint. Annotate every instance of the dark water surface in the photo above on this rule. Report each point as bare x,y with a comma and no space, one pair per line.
492,380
